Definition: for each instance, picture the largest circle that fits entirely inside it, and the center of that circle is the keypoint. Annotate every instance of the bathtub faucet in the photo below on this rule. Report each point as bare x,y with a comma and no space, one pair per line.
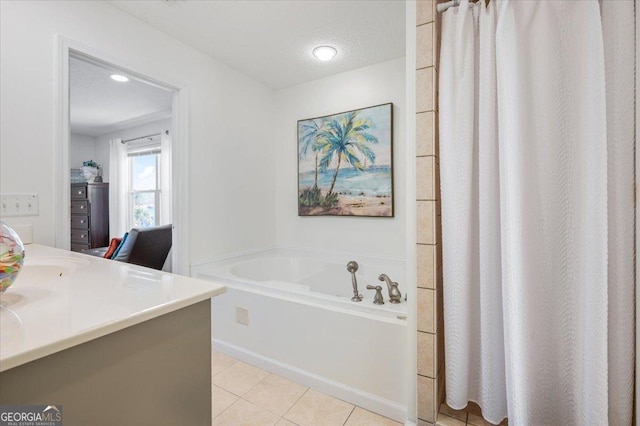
394,293
352,267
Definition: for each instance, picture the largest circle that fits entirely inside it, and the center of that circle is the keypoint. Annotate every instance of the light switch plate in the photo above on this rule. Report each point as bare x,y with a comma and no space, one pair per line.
23,204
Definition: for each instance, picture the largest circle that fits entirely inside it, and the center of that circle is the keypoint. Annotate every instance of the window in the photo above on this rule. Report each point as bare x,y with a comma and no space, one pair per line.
144,197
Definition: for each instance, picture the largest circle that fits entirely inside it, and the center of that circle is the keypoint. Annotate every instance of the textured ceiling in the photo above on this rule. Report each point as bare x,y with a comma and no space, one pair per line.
99,104
271,40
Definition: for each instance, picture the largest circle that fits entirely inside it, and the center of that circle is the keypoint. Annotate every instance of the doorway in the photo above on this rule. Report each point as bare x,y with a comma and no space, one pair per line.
148,132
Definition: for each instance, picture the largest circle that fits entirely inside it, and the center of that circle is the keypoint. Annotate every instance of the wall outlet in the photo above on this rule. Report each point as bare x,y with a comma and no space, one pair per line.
242,315
19,205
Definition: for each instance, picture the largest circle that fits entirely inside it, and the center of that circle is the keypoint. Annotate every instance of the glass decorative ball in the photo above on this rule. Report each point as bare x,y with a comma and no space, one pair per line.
11,256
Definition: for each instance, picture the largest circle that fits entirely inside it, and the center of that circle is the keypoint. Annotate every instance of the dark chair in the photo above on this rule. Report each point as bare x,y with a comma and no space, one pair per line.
144,246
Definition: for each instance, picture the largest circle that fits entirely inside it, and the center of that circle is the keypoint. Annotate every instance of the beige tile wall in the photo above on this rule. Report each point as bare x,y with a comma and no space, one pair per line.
429,253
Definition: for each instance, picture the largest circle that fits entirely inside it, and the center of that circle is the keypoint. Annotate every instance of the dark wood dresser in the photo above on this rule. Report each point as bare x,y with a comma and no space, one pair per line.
89,215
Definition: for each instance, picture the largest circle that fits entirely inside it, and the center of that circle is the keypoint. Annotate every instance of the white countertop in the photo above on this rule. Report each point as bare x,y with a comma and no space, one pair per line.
62,299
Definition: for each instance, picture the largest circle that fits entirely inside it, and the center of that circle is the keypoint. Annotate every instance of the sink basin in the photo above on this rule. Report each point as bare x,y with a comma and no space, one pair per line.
40,269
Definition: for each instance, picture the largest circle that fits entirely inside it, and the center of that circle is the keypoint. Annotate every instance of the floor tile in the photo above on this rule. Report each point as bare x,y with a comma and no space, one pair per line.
473,408
239,378
448,421
220,361
362,417
276,394
243,413
456,414
246,395
318,409
476,420
221,400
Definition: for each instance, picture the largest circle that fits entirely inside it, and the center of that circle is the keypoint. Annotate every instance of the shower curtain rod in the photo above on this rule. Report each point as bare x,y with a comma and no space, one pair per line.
441,7
166,132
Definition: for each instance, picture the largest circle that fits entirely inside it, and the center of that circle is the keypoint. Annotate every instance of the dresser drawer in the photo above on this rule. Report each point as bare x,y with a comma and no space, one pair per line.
80,207
80,236
80,222
79,247
78,192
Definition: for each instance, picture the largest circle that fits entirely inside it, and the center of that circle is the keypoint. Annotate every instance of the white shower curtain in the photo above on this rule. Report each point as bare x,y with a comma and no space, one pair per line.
618,29
536,313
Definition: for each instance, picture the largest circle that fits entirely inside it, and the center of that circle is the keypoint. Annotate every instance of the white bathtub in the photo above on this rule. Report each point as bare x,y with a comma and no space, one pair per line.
303,325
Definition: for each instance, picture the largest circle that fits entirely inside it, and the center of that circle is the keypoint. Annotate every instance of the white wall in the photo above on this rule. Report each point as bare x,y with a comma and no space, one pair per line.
230,119
102,142
81,149
360,88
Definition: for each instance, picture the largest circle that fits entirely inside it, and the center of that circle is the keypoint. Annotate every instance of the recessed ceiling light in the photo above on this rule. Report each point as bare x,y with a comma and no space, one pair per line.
325,53
118,77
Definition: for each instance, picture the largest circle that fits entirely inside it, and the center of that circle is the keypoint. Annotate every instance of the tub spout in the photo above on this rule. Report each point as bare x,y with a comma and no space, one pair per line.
394,293
352,267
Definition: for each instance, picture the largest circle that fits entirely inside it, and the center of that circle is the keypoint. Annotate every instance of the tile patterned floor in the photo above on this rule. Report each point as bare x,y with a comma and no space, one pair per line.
470,416
246,395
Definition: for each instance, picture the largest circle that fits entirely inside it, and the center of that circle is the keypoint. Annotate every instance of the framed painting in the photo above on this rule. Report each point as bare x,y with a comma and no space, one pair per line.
345,163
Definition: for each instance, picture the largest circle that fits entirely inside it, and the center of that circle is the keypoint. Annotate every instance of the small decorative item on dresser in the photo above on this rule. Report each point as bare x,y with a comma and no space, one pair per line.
90,170
77,176
11,256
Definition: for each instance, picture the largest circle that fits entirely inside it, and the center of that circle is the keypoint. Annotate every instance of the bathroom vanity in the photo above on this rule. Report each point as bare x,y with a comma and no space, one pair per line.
113,343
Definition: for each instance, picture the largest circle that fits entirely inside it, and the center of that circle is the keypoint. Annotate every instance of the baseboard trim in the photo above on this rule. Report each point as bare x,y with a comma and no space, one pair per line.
344,392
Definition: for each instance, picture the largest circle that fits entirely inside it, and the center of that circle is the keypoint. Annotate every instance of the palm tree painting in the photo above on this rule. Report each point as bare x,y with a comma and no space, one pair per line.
345,163
309,133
